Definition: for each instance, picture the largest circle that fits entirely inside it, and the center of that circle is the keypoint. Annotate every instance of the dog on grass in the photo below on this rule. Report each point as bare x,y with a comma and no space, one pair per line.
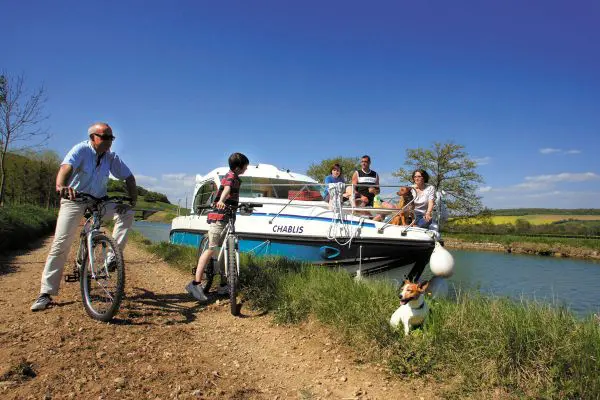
406,216
413,310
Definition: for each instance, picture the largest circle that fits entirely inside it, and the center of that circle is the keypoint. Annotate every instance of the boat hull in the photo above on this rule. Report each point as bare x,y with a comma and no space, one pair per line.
363,256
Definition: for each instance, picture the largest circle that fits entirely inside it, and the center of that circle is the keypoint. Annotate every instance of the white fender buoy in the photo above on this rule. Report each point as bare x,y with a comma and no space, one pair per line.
441,262
438,287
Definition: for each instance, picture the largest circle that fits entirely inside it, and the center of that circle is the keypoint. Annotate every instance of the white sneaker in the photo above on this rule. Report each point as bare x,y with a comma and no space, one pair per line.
223,290
41,303
196,291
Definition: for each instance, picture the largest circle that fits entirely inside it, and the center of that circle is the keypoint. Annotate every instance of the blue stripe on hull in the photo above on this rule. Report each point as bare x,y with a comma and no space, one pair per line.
259,247
186,238
293,251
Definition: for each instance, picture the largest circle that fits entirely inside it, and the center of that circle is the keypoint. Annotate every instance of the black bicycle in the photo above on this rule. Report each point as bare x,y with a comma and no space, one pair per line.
228,267
99,265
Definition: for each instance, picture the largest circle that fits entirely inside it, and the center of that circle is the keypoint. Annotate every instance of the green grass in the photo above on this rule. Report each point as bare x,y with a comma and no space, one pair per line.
473,345
551,242
22,224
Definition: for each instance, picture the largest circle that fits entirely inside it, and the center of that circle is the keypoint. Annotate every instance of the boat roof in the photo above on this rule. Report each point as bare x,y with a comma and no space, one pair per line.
260,171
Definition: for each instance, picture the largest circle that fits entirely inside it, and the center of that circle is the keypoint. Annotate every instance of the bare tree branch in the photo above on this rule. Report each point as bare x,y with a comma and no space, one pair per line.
21,119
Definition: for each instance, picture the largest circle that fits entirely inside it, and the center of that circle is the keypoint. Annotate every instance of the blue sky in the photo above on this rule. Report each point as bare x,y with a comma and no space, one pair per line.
186,83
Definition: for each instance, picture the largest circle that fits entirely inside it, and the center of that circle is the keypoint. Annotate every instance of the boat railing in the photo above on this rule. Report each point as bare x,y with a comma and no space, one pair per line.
309,194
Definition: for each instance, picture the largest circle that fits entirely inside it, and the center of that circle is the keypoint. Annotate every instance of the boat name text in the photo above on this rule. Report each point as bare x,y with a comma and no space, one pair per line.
288,228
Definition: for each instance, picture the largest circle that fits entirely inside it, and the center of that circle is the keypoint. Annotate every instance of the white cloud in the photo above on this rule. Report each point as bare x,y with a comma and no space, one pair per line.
178,176
145,180
184,179
544,199
550,150
482,160
176,186
546,191
564,177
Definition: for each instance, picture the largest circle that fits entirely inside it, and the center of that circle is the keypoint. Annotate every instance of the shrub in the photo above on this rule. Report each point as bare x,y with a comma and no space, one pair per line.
22,224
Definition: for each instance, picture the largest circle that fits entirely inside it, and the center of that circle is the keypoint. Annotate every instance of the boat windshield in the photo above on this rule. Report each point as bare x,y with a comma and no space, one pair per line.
279,188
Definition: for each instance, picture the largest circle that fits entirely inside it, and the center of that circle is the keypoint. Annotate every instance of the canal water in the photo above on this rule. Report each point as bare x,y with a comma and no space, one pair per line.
559,281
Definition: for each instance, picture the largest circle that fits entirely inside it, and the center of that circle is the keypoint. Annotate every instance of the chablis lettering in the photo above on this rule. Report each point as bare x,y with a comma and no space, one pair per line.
288,228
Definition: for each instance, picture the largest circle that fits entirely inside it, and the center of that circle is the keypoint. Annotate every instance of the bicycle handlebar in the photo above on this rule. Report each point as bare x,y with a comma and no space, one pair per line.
115,199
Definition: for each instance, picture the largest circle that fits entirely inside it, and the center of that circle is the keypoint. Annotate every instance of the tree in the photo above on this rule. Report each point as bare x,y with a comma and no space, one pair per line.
20,119
321,170
450,170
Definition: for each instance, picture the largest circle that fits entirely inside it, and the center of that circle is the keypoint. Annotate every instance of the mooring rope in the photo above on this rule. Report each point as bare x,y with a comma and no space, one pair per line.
341,227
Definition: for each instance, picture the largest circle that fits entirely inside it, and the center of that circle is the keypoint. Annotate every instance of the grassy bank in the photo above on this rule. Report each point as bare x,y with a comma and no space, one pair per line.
472,346
22,224
545,246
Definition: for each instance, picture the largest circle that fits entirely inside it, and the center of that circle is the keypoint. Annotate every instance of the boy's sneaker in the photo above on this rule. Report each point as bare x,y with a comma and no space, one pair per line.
41,303
223,290
196,291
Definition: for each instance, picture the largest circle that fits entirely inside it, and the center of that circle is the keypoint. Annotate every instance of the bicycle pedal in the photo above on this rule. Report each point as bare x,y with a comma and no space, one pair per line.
74,277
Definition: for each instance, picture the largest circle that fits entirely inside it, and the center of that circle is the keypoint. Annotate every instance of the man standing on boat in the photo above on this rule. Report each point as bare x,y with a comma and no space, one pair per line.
364,181
85,169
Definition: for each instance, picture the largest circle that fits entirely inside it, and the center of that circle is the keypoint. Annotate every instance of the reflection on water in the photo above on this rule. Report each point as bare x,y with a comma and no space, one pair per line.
574,283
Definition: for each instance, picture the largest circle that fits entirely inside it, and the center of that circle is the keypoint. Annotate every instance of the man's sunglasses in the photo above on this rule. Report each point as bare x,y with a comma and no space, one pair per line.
105,137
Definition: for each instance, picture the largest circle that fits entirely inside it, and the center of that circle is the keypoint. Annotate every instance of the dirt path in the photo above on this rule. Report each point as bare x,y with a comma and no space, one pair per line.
164,345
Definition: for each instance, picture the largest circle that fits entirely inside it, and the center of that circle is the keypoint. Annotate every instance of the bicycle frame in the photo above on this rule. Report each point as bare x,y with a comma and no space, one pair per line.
90,229
229,230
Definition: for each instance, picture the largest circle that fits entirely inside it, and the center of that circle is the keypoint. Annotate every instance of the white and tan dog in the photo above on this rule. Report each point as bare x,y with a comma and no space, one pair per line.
413,310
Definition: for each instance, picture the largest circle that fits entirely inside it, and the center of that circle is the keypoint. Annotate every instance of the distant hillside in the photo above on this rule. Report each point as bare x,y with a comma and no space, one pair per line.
545,211
147,201
149,196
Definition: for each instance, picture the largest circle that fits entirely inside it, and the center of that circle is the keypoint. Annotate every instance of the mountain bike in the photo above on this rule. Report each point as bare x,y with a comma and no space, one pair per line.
99,265
227,262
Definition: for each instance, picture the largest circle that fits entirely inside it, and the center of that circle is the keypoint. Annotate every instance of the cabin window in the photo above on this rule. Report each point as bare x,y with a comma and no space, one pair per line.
277,188
205,197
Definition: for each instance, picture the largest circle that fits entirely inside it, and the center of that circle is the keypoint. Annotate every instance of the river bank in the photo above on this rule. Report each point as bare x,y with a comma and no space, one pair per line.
531,247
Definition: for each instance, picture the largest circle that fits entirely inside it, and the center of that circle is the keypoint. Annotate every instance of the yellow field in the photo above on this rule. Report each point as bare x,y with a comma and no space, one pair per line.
538,219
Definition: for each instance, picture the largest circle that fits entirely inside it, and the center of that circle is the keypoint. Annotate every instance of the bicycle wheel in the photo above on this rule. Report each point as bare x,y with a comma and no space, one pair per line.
232,273
101,290
209,271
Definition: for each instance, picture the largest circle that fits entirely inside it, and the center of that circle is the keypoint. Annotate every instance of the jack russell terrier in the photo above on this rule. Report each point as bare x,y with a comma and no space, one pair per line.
413,309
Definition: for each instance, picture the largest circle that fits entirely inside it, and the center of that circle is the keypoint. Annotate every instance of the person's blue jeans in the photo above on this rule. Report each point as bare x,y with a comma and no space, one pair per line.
420,221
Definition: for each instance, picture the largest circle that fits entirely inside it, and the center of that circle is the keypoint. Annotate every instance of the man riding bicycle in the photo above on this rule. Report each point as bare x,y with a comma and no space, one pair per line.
85,169
228,195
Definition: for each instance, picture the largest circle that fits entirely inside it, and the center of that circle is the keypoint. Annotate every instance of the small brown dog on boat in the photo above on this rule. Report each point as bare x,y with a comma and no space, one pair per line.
406,216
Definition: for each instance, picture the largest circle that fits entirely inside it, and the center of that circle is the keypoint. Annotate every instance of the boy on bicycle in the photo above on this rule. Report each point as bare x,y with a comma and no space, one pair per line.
227,195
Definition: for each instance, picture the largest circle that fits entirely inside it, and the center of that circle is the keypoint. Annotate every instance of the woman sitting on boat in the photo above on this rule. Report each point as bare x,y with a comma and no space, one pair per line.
424,195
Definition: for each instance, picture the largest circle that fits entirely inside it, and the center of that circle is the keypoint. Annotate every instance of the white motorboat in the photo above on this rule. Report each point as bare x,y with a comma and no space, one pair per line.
295,222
